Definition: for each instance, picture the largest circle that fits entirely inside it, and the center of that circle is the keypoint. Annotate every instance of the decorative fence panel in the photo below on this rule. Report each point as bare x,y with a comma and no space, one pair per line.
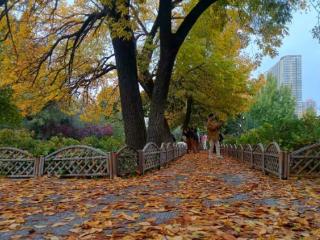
127,161
183,148
16,163
163,154
258,157
239,152
273,160
230,150
170,152
179,150
151,156
305,161
234,151
85,161
176,151
222,149
227,150
247,153
76,161
270,160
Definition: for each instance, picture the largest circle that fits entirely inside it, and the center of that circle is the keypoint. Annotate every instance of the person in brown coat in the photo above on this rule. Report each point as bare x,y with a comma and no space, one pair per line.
213,127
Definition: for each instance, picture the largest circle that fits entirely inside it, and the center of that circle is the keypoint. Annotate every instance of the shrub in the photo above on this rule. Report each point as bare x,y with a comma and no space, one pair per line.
23,139
104,143
17,138
289,134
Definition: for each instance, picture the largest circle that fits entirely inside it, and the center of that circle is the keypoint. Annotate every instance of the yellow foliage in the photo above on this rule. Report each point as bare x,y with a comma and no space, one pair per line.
103,106
36,82
212,70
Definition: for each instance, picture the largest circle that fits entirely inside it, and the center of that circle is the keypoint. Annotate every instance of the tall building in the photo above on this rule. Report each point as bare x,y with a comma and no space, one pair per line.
287,72
309,105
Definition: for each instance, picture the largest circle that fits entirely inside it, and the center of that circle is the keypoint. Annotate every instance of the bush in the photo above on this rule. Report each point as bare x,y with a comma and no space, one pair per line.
104,143
23,139
17,138
290,134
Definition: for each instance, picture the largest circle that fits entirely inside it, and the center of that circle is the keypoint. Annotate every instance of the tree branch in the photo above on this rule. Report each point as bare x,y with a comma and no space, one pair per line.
190,20
165,8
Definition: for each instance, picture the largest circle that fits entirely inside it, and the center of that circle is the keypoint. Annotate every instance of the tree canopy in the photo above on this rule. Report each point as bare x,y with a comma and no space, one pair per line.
74,48
211,73
9,113
272,105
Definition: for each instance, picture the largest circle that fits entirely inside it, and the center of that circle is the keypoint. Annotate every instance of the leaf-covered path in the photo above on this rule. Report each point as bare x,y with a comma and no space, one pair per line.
193,198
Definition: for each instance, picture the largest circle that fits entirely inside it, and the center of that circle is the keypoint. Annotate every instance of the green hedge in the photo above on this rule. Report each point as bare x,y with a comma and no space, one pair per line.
24,139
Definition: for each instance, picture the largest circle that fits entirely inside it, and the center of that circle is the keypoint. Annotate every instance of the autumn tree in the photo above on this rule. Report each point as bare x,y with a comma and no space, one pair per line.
273,105
211,73
9,113
103,107
73,46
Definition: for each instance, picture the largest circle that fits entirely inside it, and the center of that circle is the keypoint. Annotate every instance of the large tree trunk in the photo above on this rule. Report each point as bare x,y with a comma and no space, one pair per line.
188,112
169,47
131,104
126,61
157,131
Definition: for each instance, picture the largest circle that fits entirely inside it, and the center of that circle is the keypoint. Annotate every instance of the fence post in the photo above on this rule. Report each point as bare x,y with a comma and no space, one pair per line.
160,151
251,158
41,166
141,161
263,162
286,165
36,167
111,165
166,156
281,165
114,160
241,156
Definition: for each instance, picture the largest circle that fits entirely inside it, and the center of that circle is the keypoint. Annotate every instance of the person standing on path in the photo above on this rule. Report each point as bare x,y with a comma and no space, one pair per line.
204,138
213,127
195,146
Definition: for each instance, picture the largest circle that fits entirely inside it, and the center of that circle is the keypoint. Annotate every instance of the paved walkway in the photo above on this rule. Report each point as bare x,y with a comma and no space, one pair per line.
193,198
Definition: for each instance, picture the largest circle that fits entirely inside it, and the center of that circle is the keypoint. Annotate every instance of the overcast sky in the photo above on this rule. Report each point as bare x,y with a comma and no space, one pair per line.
300,42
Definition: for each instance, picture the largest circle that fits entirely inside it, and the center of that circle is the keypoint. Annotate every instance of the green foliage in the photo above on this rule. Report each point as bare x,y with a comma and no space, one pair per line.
24,139
272,118
43,123
17,138
234,126
274,105
9,114
291,135
105,143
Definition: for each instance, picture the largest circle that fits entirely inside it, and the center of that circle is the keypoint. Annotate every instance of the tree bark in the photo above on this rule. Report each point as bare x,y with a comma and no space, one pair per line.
157,131
169,46
188,112
131,104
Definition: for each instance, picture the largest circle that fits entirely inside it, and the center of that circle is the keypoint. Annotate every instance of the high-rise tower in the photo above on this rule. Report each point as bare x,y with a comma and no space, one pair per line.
288,73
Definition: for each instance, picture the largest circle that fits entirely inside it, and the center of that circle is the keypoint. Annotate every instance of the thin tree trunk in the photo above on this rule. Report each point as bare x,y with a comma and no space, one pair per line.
188,112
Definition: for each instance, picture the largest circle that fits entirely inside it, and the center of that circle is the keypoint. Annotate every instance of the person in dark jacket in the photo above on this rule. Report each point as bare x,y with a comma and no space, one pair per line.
186,134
